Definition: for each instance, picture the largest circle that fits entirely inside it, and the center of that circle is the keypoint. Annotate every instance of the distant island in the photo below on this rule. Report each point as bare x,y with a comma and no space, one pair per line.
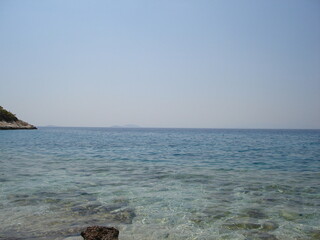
126,126
9,121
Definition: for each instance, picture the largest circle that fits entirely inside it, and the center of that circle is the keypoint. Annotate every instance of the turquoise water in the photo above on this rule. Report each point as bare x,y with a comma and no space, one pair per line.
160,183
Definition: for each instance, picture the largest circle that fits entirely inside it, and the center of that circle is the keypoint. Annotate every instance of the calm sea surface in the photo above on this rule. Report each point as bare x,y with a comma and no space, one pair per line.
160,183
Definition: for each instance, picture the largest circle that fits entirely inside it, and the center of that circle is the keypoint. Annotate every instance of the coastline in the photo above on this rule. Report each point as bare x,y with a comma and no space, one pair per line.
16,125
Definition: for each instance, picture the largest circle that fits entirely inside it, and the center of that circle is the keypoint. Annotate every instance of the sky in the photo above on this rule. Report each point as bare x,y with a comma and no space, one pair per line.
162,63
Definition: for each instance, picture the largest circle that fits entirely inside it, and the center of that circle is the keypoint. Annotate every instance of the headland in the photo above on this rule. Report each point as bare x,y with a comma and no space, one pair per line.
8,121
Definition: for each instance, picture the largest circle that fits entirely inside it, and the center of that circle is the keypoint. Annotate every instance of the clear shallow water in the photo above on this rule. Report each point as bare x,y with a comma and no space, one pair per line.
160,183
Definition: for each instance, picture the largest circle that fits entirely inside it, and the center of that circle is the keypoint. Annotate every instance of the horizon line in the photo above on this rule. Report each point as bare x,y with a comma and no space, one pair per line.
141,127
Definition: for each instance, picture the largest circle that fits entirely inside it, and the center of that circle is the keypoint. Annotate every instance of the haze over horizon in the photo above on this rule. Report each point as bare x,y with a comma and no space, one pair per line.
188,64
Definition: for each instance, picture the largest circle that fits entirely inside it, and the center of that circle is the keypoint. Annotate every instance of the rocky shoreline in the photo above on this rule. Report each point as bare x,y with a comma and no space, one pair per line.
9,121
15,125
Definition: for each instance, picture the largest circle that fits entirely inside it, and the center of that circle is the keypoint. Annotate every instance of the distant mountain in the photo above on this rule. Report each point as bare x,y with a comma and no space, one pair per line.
126,126
9,121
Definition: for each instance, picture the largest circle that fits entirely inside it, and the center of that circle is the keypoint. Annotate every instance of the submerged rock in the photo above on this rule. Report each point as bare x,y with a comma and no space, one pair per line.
315,234
123,216
108,213
100,233
289,215
208,217
242,226
253,213
260,236
73,238
269,226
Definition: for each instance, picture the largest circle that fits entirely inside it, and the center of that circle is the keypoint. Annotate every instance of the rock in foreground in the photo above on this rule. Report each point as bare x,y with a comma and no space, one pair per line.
100,233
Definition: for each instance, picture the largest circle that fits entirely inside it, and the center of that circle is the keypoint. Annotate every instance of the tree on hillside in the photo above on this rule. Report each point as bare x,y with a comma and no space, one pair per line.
7,116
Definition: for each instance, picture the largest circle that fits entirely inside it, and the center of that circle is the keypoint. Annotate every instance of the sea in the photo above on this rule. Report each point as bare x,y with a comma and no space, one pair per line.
155,184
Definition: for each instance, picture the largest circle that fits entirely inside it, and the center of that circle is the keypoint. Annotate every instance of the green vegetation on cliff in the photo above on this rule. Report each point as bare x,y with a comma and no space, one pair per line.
7,116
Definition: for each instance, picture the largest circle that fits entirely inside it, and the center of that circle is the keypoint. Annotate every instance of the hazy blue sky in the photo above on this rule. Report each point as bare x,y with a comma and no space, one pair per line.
164,63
